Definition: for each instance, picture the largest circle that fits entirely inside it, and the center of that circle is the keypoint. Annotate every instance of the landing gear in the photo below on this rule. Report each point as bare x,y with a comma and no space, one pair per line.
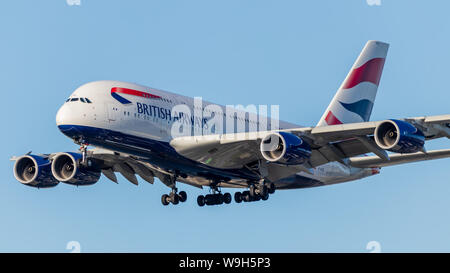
83,149
183,196
201,200
245,196
271,187
174,197
256,192
227,198
238,197
214,198
165,199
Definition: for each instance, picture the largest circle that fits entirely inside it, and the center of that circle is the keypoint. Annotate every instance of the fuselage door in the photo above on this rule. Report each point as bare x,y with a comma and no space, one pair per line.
113,112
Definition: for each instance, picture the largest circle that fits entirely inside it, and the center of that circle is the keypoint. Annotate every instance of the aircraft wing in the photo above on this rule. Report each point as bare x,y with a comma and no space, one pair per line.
397,159
328,143
432,127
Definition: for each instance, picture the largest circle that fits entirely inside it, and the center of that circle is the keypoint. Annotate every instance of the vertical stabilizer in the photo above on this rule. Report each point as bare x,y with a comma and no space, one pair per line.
355,98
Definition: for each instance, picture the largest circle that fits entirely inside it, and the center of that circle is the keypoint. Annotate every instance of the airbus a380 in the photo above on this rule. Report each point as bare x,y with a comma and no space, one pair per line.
131,127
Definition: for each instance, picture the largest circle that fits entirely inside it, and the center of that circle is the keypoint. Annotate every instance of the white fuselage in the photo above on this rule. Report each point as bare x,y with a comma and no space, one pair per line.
146,113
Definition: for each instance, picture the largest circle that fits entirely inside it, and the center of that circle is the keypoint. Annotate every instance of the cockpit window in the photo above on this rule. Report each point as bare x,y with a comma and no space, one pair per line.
83,100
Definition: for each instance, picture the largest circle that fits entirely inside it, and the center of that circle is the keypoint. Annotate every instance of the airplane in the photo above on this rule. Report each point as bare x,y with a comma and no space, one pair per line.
131,128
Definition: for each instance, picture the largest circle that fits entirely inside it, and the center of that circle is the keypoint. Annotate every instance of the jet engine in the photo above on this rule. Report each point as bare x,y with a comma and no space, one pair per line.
399,136
285,148
34,171
68,168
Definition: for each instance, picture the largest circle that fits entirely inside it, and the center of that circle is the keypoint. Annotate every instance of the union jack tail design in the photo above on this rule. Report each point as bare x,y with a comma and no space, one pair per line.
355,98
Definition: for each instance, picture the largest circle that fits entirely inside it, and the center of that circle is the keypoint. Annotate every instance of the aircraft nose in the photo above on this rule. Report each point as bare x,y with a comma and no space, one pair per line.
62,115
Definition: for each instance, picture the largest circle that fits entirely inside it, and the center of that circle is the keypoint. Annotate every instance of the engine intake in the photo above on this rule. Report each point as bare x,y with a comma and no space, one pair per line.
285,148
34,171
67,168
399,136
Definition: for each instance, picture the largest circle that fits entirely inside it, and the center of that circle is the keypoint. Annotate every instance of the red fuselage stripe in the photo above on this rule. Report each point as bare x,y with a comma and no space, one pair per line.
133,92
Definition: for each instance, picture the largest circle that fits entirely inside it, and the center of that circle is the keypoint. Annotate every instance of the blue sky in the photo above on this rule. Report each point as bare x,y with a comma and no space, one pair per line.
291,53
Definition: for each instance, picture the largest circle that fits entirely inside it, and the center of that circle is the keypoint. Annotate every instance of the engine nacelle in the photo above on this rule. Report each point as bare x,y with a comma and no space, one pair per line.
285,148
34,171
399,136
67,168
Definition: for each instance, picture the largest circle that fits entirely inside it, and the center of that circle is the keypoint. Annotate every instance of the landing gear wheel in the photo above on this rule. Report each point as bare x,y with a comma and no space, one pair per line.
182,196
201,200
165,199
227,198
219,199
209,199
265,197
271,187
238,197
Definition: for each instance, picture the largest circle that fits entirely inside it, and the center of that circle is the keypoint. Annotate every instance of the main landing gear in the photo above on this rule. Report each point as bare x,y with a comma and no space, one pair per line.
214,198
255,193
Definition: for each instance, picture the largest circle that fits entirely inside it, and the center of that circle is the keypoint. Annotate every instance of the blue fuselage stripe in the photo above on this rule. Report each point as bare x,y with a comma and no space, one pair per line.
156,152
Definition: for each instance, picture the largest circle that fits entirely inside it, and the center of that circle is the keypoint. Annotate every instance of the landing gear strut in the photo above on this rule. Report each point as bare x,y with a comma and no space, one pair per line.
83,148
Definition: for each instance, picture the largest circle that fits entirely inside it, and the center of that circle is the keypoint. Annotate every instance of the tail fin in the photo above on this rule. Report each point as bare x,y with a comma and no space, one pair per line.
354,100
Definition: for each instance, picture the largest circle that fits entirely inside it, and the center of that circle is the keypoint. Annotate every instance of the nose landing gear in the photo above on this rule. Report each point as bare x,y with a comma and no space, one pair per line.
174,197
